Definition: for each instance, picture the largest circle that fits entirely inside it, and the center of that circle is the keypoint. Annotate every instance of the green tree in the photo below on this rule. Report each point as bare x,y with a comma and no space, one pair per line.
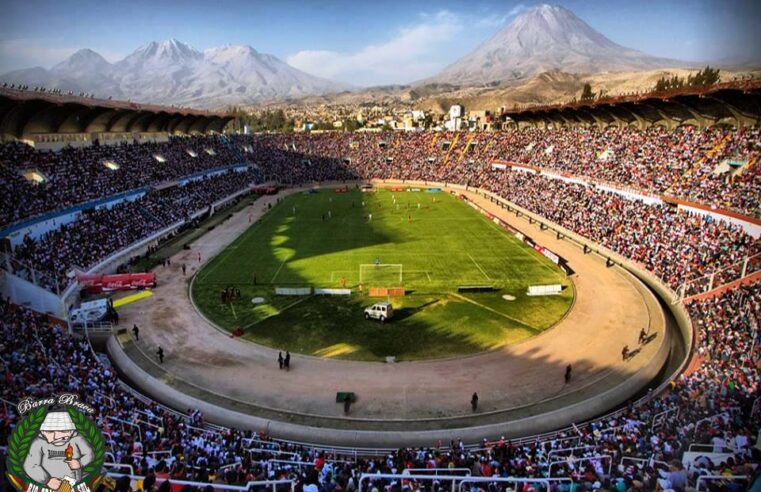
665,83
586,93
707,76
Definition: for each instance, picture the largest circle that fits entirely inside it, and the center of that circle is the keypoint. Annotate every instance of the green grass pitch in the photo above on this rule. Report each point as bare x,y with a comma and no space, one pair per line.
322,239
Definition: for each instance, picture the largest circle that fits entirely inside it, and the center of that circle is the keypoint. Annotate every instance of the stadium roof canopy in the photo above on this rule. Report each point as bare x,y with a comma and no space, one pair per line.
736,103
27,112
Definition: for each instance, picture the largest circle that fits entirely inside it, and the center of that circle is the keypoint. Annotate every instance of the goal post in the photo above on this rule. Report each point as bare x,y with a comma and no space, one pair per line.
382,273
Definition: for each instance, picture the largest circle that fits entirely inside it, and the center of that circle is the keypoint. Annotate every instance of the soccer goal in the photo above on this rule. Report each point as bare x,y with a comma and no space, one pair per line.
381,274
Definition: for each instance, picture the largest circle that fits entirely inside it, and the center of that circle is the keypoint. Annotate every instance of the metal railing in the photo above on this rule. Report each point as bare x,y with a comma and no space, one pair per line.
269,451
435,471
575,448
708,448
569,460
720,277
122,423
547,482
714,478
456,481
218,486
661,417
650,461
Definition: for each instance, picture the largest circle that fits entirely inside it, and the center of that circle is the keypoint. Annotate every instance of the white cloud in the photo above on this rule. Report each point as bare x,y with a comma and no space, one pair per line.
492,20
517,9
413,53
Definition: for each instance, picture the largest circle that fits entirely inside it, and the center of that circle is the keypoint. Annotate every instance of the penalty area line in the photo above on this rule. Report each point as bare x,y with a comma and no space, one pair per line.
479,267
278,271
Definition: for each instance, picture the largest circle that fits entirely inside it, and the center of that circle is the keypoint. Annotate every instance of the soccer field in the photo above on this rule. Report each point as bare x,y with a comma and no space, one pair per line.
428,243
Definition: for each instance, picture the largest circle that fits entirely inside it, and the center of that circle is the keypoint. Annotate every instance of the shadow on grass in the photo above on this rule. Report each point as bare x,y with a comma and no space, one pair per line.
275,251
404,313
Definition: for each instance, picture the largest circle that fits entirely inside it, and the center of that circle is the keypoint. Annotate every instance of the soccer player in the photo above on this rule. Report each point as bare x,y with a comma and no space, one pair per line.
377,261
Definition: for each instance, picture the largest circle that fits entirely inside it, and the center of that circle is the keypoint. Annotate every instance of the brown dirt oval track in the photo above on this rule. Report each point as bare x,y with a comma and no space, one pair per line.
522,380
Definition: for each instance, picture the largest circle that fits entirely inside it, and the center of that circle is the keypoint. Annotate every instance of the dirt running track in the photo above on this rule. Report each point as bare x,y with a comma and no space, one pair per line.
516,382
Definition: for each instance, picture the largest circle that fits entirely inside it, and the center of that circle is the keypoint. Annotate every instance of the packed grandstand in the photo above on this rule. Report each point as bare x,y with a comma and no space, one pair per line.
618,187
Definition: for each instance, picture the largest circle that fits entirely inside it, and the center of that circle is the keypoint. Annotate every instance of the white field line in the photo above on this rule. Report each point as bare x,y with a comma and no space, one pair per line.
427,274
278,271
479,267
278,311
516,320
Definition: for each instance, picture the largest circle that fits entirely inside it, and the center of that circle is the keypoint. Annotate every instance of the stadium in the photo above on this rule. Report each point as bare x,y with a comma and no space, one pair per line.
570,301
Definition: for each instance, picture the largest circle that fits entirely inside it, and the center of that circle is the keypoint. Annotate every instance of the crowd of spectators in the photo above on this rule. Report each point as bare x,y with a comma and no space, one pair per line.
99,232
75,175
679,247
712,404
713,166
643,444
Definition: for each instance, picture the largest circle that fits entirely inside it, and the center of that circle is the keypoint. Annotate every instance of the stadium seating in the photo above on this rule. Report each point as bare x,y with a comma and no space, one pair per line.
711,404
98,233
79,174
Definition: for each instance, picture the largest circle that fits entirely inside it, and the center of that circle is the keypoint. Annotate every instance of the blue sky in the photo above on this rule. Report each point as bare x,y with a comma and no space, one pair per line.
361,42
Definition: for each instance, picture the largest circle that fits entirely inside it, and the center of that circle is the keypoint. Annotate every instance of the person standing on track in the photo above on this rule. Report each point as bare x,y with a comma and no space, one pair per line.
474,402
160,354
568,374
642,336
280,360
287,361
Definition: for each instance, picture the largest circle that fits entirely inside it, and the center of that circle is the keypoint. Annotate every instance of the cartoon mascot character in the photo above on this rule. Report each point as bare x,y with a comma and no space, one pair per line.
58,454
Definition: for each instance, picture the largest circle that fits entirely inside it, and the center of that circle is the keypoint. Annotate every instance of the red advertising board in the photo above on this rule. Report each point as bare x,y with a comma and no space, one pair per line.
95,284
264,190
549,254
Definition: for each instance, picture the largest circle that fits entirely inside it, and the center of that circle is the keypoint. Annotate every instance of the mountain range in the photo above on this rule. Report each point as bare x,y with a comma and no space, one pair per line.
172,72
542,39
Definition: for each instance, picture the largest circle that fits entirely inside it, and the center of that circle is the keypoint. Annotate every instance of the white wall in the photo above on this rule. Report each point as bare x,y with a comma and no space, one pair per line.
29,295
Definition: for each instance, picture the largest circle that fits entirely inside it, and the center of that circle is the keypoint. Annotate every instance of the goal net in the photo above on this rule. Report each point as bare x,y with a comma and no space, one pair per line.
385,274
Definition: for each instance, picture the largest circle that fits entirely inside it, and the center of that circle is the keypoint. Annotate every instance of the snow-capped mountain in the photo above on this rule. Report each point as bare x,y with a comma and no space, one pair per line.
544,38
172,72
